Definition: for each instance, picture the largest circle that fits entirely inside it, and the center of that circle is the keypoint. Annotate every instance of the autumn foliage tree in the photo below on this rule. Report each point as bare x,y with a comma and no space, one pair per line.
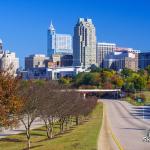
10,103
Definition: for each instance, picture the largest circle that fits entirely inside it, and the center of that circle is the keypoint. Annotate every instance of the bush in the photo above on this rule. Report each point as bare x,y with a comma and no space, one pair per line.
143,97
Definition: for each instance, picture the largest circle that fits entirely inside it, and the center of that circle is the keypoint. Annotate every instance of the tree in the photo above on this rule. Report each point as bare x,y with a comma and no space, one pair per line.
139,83
10,103
126,72
92,79
28,92
117,81
106,76
148,69
65,80
48,94
94,68
148,84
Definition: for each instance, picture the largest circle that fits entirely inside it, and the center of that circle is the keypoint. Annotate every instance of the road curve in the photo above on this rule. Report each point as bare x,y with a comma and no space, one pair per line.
128,123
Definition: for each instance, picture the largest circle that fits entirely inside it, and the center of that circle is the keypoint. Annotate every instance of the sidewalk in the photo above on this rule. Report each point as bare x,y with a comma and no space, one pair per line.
36,124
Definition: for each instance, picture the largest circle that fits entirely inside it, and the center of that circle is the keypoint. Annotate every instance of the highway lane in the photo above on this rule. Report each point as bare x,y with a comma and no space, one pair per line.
129,123
105,140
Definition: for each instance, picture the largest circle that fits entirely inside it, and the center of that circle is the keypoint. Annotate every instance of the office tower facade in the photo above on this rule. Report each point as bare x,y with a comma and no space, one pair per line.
132,61
9,62
1,45
35,61
58,43
103,50
84,43
119,60
144,60
66,60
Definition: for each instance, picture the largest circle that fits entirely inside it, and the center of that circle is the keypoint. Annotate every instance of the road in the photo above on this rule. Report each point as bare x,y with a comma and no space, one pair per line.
128,125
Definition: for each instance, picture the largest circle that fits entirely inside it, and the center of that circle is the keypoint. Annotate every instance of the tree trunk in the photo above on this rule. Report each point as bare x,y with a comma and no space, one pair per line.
51,132
67,127
47,132
71,121
61,127
77,120
28,138
29,144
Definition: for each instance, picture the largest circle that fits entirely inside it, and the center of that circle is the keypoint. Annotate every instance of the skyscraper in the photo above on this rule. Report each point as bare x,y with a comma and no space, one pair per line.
58,43
1,45
104,49
84,43
144,60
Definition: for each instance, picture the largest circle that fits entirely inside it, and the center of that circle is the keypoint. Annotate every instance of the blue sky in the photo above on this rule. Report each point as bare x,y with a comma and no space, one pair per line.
24,23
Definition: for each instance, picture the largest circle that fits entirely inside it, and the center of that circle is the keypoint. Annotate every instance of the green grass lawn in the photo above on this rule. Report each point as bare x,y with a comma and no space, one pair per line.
82,137
147,101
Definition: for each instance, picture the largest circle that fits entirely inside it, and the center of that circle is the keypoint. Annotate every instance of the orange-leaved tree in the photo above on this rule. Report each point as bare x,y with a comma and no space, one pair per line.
10,103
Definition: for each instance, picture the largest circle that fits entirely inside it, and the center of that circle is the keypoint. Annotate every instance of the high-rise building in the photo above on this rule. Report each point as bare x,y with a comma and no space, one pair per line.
131,61
35,61
119,60
144,60
104,49
9,62
58,43
1,45
131,50
84,43
66,60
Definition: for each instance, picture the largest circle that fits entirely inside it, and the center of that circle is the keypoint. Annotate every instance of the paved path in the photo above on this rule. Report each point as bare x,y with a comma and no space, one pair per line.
20,129
128,123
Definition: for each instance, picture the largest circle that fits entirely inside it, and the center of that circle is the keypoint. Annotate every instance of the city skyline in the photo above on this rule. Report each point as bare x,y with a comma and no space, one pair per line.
25,31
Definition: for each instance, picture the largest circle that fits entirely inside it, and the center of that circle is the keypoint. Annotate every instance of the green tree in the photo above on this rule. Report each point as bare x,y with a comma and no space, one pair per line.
148,69
126,72
64,80
117,81
92,79
94,68
139,83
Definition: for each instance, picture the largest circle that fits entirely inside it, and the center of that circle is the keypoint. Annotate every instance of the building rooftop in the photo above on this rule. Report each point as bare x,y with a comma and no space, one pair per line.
37,55
51,27
85,19
105,43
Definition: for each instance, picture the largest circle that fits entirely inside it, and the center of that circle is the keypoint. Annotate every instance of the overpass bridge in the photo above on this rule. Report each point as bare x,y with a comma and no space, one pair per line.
87,91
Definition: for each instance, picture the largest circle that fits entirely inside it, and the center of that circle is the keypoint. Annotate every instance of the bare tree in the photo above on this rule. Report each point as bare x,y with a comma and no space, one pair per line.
47,105
28,92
